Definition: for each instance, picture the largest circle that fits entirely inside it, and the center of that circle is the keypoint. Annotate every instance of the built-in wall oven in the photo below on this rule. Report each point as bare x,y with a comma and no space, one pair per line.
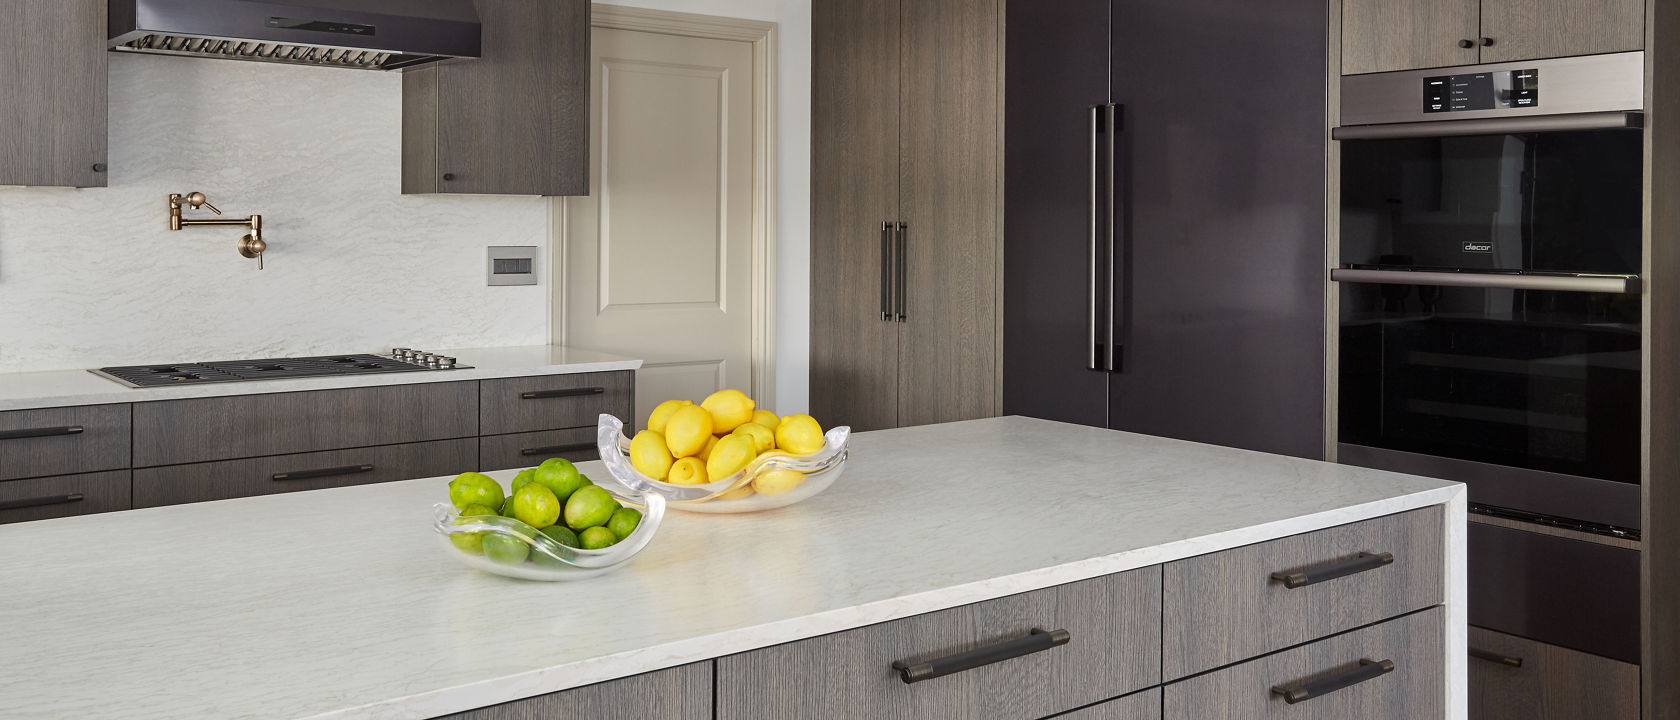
1490,249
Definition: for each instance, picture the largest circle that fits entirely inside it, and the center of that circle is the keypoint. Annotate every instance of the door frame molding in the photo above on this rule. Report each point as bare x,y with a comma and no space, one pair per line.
762,36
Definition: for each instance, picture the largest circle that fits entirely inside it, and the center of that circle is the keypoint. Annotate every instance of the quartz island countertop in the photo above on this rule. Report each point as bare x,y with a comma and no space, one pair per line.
340,603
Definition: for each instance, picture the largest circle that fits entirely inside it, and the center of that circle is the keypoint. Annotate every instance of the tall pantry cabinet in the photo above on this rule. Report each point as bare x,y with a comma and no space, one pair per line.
905,211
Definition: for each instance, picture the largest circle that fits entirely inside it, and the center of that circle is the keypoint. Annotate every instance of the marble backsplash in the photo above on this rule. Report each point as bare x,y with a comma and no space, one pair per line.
94,277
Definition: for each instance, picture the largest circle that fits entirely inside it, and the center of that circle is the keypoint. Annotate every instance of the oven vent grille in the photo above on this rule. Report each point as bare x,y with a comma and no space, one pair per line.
198,46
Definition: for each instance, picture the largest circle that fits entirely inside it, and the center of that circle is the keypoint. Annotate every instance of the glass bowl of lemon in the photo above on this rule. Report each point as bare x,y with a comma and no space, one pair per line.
724,455
534,533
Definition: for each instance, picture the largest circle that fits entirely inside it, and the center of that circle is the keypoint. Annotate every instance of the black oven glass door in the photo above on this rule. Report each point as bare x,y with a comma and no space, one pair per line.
1552,202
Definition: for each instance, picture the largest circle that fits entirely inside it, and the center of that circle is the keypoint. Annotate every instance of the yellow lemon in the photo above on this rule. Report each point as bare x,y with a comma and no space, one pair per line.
662,414
649,455
778,481
689,471
766,418
688,430
729,408
745,491
731,454
799,434
763,438
706,452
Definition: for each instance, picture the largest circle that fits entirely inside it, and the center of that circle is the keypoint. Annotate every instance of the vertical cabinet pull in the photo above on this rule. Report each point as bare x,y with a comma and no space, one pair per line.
900,302
1367,670
1111,228
888,278
1093,344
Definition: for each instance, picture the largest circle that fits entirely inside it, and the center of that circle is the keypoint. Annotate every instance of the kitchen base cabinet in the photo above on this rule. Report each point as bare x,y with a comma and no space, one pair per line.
63,441
1393,671
1513,678
523,450
304,471
1112,627
554,402
679,693
54,497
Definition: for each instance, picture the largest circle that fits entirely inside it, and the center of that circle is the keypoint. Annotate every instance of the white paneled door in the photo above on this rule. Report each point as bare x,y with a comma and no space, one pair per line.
659,261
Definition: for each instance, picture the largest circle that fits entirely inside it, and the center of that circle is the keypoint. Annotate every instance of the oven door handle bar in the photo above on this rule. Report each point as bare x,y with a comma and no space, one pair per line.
1614,284
1616,120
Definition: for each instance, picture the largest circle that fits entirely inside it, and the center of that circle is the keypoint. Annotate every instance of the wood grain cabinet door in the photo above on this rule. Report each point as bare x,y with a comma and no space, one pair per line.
1384,35
1513,678
1530,29
855,83
53,93
679,693
63,496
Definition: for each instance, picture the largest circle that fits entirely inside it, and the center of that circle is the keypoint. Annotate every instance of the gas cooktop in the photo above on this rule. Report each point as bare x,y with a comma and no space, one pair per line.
399,360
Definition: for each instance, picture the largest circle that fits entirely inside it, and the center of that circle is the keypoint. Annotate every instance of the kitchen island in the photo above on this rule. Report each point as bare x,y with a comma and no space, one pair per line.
939,539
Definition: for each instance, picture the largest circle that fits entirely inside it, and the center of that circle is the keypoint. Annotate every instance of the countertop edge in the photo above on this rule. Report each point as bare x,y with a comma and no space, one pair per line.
587,672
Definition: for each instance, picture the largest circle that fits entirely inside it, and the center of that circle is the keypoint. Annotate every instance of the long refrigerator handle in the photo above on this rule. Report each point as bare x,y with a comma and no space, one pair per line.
888,278
1093,346
900,308
1113,226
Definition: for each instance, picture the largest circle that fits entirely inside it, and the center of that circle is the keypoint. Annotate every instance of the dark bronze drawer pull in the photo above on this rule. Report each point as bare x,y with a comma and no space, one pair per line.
1302,578
323,472
572,392
557,449
40,432
1037,641
40,501
1367,670
1515,662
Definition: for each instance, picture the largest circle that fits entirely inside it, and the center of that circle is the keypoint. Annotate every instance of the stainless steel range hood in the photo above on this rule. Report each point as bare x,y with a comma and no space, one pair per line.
365,34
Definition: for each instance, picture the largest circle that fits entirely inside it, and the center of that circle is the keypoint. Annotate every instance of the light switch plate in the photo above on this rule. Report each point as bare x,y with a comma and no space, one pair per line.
512,265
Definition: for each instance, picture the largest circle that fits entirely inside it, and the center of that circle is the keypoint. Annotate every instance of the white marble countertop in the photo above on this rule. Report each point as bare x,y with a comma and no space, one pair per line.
62,388
339,603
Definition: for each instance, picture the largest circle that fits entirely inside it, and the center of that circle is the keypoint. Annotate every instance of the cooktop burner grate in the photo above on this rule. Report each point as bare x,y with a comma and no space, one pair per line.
143,376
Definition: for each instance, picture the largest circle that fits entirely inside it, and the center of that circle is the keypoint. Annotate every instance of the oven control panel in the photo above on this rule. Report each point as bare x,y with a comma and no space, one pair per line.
1504,89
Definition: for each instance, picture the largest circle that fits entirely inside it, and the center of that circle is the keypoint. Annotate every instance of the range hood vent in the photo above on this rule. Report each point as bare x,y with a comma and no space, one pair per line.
363,34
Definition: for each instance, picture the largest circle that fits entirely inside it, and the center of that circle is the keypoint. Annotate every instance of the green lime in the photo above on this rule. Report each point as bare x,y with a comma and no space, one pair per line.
559,475
596,538
536,506
507,505
588,507
475,489
505,549
470,542
560,534
523,477
624,521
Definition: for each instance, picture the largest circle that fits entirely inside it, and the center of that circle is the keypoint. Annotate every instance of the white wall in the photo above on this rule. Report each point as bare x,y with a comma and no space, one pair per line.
94,277
793,180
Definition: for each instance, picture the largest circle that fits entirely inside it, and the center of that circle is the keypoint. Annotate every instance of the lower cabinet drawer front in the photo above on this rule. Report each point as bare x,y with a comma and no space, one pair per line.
556,401
63,496
1414,689
679,693
523,450
63,441
1113,647
1513,678
306,471
1237,604
1145,705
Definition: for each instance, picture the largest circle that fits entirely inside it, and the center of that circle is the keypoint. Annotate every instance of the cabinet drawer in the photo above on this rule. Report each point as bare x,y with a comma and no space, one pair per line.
1234,605
679,693
1113,647
306,471
1519,679
61,441
523,450
51,497
554,402
1145,705
1341,677
224,428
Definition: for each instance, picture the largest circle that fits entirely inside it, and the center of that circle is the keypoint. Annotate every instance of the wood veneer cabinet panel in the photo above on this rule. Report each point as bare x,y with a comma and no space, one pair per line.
1529,29
523,450
201,482
53,84
1552,683
1384,35
63,441
679,693
1145,705
552,402
63,496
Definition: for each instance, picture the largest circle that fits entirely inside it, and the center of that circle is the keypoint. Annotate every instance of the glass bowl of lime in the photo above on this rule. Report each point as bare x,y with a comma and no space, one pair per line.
535,534
772,479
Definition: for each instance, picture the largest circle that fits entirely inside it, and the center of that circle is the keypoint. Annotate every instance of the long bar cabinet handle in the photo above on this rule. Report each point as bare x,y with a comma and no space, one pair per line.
557,449
1490,656
323,472
1615,284
888,278
1092,343
901,302
1367,670
1114,228
1036,641
40,501
1613,120
27,433
1363,562
570,392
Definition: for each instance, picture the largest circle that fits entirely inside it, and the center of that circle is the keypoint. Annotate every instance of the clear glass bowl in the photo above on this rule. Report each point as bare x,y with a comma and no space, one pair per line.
562,563
820,469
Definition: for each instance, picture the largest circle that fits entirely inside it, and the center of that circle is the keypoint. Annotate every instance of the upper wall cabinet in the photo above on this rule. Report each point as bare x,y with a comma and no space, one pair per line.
1384,35
513,122
52,93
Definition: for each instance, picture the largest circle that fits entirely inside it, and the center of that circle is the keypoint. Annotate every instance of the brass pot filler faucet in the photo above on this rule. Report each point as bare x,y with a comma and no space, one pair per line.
251,246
